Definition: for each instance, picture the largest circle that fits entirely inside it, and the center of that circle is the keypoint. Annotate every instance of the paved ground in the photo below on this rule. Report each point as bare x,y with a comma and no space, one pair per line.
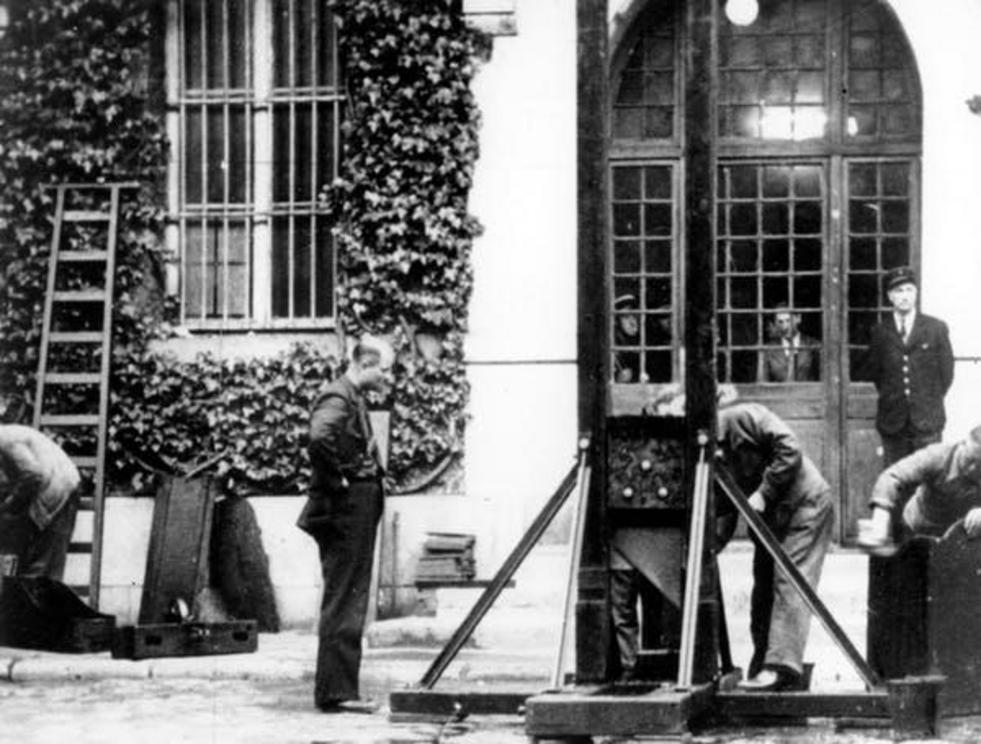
199,711
267,696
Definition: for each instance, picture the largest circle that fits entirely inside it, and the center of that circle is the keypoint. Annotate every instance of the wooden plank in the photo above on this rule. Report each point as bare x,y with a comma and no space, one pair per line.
75,337
78,419
440,704
570,713
593,636
68,420
802,705
700,164
177,559
72,378
185,639
85,215
83,256
87,295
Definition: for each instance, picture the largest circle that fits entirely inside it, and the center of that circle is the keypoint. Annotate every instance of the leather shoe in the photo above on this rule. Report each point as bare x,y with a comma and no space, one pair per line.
772,680
348,706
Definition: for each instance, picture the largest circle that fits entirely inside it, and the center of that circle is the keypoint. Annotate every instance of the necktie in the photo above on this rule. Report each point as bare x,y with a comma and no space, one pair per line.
902,329
369,436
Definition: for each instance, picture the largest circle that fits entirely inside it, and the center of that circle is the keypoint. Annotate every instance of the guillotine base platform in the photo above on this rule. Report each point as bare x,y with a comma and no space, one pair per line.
906,706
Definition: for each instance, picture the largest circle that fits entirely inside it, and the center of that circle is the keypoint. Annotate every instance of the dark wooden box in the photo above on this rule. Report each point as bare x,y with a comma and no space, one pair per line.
645,462
44,614
185,639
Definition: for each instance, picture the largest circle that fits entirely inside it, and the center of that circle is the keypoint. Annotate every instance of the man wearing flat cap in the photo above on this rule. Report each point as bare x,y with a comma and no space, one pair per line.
912,365
626,341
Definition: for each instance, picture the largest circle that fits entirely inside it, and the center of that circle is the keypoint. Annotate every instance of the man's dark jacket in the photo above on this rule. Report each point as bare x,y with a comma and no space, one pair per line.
926,360
339,450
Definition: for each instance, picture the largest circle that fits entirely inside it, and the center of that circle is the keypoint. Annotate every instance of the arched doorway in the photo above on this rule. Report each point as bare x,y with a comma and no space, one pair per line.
819,143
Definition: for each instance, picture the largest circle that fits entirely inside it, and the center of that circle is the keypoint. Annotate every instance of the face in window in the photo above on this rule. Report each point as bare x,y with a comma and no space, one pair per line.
903,297
628,328
786,324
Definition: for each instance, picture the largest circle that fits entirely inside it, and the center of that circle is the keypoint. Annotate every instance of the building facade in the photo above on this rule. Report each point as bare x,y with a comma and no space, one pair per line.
845,144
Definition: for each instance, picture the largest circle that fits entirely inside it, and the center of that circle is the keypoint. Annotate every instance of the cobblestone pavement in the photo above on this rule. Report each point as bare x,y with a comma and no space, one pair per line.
201,711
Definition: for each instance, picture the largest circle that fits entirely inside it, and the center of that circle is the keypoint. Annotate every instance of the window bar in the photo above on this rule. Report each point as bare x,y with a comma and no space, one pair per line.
226,225
337,109
226,154
248,112
182,236
315,157
291,215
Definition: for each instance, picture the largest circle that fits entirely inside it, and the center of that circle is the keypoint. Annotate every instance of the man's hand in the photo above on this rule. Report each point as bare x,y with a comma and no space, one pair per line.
757,501
972,523
875,534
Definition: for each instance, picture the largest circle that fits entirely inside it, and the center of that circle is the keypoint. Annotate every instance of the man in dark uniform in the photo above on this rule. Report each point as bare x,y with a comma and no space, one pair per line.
342,514
912,365
795,502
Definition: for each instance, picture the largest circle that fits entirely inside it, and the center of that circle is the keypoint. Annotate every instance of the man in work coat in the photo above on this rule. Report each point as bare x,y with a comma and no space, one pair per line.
940,484
38,501
342,514
795,502
912,365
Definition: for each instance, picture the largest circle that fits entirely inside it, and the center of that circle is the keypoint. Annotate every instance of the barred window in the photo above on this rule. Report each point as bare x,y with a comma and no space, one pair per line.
258,109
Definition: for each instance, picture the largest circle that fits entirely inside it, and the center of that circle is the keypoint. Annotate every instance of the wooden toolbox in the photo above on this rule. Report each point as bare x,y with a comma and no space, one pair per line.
185,639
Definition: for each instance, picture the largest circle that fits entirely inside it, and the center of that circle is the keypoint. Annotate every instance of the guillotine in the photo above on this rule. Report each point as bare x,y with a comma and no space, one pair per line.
662,521
648,494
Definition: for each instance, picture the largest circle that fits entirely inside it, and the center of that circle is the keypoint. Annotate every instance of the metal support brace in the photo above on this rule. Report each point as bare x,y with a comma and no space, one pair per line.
729,486
503,576
693,575
575,554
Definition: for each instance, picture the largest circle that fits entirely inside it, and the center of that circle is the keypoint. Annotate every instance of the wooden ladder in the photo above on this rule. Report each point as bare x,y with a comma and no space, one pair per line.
71,402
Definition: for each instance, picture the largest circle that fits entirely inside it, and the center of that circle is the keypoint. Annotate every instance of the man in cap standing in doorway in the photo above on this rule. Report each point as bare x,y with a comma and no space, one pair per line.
912,365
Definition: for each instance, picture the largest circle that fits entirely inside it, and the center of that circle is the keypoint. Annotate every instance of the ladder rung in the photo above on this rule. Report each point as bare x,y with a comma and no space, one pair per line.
80,589
73,378
83,255
86,295
79,419
80,547
86,503
84,215
75,337
83,461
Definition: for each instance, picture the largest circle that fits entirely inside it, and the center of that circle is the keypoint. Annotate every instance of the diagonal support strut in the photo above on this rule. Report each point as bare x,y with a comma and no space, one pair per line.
731,489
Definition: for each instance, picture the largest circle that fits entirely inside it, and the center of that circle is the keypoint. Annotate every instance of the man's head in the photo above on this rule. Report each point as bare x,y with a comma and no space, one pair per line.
901,289
969,455
628,322
785,322
371,364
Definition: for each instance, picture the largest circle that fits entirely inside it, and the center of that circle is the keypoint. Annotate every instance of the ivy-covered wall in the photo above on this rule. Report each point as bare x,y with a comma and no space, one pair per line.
83,101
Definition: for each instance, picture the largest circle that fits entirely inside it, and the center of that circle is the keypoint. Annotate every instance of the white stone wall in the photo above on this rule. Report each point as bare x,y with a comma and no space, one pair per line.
522,342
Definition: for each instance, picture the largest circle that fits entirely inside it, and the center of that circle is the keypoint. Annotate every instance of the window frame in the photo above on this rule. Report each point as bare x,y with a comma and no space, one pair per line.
258,211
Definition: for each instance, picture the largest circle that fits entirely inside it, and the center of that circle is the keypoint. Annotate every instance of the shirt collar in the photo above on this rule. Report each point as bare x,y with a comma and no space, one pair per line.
910,318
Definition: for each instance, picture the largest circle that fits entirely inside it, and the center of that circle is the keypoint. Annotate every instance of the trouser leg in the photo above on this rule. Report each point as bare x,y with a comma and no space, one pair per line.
805,543
47,553
623,608
761,606
346,553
